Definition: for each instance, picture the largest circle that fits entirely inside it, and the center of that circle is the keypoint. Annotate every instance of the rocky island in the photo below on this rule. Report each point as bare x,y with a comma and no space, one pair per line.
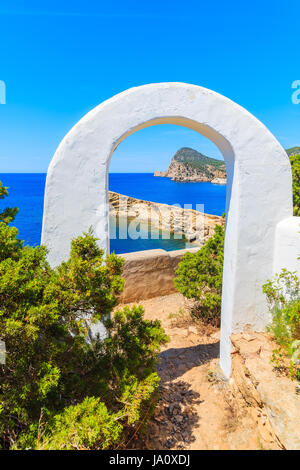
188,165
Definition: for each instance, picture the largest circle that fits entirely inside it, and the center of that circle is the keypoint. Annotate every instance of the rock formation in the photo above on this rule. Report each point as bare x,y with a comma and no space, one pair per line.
194,225
188,165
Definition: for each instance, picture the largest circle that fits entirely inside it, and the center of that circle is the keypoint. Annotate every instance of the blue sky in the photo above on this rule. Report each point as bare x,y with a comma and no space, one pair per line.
59,59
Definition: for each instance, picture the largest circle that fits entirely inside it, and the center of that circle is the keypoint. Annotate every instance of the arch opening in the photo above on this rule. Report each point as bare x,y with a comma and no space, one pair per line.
205,130
138,183
168,241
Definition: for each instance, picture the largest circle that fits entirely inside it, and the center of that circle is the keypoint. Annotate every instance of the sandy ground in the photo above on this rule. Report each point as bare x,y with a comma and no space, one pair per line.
197,409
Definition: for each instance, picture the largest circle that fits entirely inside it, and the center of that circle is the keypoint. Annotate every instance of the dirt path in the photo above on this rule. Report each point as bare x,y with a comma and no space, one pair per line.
197,409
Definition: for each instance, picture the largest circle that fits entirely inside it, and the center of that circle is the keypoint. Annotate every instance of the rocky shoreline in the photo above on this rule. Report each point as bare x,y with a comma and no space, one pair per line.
184,173
191,224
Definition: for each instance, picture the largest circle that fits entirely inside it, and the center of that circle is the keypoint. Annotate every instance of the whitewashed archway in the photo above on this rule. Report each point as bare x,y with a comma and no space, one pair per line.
259,187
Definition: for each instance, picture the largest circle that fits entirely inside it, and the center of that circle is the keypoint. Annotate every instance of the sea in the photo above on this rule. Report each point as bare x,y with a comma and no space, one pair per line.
26,191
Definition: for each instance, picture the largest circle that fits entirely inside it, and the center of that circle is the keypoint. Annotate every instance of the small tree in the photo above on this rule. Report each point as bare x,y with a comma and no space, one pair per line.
283,294
295,162
199,276
9,214
61,386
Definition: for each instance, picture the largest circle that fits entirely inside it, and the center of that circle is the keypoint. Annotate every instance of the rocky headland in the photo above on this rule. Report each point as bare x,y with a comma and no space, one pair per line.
188,165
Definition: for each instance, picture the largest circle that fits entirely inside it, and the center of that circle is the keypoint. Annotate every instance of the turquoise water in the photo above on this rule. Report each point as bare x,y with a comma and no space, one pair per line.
27,192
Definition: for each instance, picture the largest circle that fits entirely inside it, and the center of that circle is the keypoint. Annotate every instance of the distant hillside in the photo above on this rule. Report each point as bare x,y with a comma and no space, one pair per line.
295,162
293,151
189,165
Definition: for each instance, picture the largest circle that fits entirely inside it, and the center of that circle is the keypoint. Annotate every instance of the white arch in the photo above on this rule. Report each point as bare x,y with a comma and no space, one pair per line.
259,187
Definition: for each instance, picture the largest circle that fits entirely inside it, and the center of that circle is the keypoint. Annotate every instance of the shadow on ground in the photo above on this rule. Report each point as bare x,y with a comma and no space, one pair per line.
175,417
174,362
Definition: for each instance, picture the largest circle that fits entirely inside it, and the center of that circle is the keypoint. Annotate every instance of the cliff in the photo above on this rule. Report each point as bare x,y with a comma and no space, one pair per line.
190,165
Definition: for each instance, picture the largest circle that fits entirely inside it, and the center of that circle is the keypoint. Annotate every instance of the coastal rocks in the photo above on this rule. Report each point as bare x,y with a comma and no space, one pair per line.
159,173
182,172
219,181
191,237
192,225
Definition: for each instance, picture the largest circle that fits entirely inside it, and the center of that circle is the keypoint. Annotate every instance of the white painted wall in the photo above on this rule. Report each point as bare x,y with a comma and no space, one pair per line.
259,189
287,245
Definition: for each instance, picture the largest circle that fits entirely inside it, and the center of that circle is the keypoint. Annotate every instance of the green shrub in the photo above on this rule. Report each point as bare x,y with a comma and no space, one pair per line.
295,162
9,214
283,294
87,425
199,277
61,386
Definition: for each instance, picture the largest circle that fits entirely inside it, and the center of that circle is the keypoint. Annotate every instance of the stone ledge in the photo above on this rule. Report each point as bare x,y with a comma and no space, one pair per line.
150,273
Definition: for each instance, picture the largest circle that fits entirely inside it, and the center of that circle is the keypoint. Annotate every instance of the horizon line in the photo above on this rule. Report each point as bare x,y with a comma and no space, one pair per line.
45,172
